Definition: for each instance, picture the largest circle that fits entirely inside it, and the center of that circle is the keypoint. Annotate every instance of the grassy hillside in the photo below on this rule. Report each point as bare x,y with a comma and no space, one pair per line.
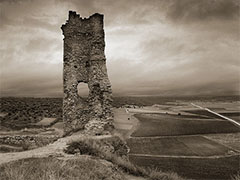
51,168
92,159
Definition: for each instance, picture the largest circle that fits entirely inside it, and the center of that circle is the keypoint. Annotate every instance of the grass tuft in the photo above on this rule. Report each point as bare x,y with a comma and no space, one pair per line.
55,169
97,148
236,177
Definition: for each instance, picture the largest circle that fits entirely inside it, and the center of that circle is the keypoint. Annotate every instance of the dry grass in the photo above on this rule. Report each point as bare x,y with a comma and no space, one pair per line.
97,148
236,177
107,160
54,169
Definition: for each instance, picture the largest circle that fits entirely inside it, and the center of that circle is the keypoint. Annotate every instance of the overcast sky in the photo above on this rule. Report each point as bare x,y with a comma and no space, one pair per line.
153,47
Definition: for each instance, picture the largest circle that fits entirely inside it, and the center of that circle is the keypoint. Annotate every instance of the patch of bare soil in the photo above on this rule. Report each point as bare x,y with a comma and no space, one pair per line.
124,122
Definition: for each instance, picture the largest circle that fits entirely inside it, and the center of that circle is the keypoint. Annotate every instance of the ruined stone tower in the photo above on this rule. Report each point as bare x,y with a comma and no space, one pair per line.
84,61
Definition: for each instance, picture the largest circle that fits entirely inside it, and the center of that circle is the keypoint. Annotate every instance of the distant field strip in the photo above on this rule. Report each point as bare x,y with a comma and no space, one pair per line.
203,168
172,125
224,117
177,146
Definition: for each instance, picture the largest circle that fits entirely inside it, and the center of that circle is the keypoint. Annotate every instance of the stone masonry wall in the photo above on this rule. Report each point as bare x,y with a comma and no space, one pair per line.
85,62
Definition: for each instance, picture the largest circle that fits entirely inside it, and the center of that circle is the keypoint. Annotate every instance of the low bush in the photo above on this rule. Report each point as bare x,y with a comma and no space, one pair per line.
82,148
97,147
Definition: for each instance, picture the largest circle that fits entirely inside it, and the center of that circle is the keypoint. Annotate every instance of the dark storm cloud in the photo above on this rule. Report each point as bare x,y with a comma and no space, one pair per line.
164,47
193,10
116,12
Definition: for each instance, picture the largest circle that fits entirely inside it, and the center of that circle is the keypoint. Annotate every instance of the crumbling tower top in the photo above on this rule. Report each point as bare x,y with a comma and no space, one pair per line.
75,19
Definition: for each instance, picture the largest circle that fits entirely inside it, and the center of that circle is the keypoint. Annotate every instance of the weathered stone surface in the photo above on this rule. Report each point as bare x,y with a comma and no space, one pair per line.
84,62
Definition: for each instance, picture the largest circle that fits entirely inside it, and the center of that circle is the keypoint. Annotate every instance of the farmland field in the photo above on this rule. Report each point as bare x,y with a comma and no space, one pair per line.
178,137
177,146
233,115
202,113
171,125
167,133
196,168
230,139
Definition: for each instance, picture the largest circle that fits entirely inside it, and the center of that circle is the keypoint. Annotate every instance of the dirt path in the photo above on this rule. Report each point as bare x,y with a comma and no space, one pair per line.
54,149
224,117
125,122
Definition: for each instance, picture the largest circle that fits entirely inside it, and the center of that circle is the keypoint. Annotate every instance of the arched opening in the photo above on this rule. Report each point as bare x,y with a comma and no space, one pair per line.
83,90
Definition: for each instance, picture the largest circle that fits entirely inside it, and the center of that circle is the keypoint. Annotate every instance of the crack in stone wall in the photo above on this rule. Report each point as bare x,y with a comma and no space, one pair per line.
84,61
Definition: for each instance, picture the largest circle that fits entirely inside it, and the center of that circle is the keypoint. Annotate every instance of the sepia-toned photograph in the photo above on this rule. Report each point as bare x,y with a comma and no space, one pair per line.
119,89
